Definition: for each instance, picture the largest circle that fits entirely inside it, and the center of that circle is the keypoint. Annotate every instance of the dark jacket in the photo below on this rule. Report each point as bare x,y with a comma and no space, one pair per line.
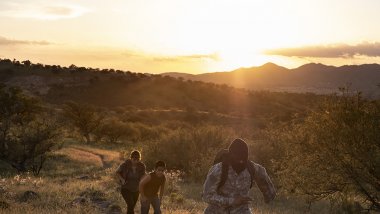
124,168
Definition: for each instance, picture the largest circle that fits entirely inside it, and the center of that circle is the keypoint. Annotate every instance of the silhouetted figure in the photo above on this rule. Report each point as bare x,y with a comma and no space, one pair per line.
129,174
149,187
226,189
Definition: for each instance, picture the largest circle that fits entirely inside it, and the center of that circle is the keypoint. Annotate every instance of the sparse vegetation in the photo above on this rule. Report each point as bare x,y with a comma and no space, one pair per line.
339,147
27,133
184,123
84,118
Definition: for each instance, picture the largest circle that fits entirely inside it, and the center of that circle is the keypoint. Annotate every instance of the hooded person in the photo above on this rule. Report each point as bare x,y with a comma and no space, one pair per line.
226,189
238,155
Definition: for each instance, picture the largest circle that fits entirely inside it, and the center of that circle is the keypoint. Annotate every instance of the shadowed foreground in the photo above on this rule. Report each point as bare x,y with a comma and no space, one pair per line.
79,179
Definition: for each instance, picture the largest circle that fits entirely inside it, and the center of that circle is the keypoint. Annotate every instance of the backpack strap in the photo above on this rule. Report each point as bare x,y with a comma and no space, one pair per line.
251,169
224,174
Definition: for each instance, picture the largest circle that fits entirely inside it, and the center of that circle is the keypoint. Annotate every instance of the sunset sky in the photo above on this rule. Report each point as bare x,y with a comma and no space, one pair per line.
193,36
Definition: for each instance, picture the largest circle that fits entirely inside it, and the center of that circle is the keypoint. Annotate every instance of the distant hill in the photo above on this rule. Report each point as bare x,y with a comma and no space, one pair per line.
316,78
111,88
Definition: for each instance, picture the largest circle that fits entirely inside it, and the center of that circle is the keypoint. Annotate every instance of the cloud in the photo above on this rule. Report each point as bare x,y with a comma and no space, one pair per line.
59,11
330,51
214,57
175,58
5,41
132,54
42,11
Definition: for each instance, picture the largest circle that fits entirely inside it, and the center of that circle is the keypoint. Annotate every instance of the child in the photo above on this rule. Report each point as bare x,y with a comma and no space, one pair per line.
149,187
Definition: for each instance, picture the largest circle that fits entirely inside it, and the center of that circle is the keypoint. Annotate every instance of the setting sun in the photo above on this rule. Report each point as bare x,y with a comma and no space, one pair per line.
189,106
186,36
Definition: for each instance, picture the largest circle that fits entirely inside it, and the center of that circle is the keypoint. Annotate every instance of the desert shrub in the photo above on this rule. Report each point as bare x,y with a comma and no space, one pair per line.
111,130
189,150
173,179
28,131
176,198
334,152
132,133
147,132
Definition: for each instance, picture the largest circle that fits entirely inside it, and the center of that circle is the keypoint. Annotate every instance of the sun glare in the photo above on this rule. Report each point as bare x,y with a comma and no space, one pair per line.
188,34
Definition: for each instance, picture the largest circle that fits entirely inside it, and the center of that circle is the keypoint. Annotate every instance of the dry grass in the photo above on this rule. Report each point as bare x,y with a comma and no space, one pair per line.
81,156
59,185
108,155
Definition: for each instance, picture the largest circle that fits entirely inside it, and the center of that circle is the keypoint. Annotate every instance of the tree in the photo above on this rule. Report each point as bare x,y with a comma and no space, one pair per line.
334,152
27,63
27,134
112,130
84,118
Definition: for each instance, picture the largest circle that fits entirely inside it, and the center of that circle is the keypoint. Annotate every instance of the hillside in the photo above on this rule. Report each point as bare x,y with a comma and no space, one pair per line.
185,123
316,78
109,88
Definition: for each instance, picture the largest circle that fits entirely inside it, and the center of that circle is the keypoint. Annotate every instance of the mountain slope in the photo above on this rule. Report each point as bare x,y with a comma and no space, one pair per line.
317,78
109,88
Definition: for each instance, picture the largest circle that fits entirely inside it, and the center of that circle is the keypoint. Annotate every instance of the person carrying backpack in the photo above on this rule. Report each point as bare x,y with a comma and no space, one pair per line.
226,189
129,174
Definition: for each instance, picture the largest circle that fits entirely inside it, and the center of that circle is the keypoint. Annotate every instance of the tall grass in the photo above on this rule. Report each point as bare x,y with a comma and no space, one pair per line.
60,184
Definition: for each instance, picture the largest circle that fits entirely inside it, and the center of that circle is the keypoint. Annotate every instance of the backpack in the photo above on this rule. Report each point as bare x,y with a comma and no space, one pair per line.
257,172
221,157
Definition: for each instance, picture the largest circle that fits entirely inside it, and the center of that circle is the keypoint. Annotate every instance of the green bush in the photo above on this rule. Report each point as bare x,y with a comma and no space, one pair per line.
28,131
334,152
189,150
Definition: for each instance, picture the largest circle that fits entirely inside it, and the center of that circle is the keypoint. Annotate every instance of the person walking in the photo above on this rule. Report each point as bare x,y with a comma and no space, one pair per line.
226,189
129,174
149,187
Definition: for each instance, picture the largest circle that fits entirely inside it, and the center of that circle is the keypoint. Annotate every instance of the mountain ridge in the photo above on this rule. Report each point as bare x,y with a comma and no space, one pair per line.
313,77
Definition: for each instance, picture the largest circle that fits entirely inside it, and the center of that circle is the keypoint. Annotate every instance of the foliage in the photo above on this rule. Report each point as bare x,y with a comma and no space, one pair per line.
85,118
59,188
329,153
189,150
334,152
112,130
109,88
26,133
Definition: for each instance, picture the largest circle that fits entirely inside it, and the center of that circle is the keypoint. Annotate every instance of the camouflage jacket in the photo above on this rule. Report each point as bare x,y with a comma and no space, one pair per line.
236,185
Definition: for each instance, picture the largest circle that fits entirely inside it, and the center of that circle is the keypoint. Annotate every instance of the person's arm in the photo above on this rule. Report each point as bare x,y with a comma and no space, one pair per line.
142,184
119,175
144,168
162,188
264,183
210,194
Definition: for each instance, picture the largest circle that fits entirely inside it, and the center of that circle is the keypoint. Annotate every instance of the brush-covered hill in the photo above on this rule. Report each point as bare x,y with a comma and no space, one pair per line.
316,78
116,88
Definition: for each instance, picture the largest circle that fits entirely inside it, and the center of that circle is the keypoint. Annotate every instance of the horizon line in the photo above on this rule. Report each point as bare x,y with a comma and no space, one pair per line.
239,68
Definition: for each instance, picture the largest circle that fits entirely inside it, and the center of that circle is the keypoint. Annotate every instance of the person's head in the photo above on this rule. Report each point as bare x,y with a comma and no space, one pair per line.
135,156
159,168
238,153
